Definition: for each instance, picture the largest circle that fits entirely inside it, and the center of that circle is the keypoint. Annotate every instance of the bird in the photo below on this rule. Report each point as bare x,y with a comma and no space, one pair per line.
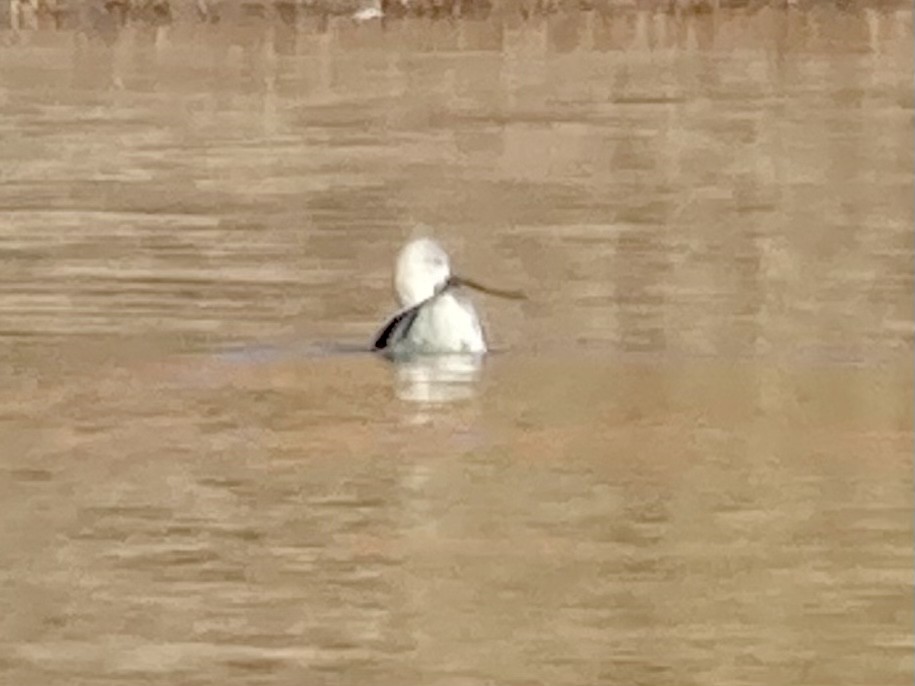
437,316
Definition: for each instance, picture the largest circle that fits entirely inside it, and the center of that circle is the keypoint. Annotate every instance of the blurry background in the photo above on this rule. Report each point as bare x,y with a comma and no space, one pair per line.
689,461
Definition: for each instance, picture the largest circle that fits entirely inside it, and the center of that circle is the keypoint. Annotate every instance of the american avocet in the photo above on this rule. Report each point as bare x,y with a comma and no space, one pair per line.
437,317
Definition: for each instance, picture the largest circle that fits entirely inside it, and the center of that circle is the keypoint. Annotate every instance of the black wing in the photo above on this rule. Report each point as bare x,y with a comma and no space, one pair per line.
400,322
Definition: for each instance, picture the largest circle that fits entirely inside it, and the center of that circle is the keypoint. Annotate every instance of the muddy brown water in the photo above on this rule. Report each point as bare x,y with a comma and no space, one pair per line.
688,462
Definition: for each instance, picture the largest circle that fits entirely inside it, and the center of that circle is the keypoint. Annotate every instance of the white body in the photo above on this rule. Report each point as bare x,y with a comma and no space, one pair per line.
437,319
368,13
445,324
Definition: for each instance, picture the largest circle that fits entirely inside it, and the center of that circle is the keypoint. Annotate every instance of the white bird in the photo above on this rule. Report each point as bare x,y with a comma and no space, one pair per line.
437,317
373,11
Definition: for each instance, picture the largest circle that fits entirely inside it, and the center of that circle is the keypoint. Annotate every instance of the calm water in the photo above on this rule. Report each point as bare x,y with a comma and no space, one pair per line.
689,461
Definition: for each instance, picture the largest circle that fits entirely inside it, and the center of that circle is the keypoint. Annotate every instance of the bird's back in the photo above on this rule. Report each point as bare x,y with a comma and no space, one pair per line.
445,324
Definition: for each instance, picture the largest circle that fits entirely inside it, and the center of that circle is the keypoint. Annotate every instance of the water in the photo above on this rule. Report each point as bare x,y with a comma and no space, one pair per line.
689,460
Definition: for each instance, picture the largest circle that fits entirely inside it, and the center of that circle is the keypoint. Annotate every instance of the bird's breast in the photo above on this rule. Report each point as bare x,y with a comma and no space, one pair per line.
447,324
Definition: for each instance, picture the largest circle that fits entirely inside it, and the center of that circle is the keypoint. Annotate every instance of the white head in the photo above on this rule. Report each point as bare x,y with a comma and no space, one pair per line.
422,268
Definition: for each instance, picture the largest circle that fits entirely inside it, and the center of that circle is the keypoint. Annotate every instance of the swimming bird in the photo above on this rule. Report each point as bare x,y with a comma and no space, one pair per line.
437,316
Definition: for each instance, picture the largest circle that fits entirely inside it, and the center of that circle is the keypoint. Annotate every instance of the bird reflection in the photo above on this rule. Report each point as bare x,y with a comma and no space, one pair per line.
438,379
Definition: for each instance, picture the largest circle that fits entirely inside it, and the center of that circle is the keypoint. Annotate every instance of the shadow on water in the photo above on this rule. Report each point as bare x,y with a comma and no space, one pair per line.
258,353
430,379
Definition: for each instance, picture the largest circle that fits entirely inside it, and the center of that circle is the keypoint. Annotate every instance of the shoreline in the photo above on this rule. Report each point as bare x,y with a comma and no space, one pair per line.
108,17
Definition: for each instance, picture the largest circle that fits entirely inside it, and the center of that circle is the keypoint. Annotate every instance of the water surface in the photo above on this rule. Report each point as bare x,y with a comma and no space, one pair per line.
688,463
